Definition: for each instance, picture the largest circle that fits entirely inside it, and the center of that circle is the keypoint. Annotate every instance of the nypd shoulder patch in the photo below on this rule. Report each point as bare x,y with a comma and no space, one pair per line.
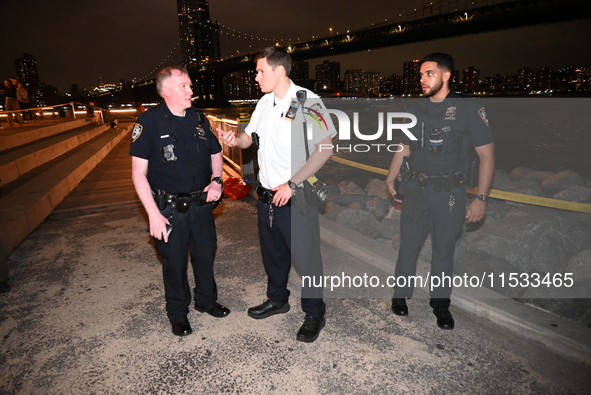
482,114
136,132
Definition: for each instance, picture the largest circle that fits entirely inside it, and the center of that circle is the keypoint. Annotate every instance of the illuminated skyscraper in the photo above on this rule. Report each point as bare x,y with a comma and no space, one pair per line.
328,75
411,76
470,76
26,70
200,42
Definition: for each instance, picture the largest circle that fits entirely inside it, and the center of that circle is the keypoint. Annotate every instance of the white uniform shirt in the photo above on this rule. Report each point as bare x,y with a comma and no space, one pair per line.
282,152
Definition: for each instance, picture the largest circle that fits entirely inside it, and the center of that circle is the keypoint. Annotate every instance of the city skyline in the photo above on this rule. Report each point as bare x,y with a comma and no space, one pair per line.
94,44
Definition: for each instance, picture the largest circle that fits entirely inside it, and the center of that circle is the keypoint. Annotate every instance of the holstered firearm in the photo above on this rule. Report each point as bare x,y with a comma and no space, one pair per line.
403,176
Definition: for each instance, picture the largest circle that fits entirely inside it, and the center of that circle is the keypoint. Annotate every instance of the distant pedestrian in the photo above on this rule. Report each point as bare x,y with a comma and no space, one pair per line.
23,101
11,104
90,110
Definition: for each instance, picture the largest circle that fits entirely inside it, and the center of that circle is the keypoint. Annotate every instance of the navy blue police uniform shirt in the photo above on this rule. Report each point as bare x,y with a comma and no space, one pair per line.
177,149
457,117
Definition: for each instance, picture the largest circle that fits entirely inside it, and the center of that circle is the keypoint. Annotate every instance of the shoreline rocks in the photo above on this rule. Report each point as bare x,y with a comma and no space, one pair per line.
513,238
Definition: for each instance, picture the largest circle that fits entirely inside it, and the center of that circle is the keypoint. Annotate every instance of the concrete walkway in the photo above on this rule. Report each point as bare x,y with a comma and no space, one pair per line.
86,316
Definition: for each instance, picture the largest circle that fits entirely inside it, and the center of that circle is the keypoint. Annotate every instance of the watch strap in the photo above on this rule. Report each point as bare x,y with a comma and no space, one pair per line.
219,180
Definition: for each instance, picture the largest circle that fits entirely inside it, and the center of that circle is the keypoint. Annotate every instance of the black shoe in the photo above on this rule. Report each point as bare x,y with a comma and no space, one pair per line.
310,329
444,317
215,310
399,306
268,309
180,326
4,287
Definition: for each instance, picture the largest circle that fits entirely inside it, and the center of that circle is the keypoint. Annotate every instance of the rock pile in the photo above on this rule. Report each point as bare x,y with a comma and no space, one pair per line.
513,238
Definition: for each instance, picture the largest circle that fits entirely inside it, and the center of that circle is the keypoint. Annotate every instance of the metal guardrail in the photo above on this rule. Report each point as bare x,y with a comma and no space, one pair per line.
242,162
73,110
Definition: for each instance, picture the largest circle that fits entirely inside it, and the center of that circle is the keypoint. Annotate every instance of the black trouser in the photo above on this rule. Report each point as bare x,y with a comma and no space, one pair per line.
291,237
193,232
445,226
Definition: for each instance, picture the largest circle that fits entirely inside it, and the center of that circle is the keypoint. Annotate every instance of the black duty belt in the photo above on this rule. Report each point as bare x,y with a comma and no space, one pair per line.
440,181
181,202
266,196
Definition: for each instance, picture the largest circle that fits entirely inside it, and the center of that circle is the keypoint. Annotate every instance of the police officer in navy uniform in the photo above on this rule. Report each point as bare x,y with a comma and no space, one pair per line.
174,155
433,170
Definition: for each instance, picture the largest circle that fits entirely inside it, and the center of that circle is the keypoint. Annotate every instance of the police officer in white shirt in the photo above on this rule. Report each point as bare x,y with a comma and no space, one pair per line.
288,219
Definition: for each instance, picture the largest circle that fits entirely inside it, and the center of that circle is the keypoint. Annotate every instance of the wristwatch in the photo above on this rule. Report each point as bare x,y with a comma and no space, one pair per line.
219,180
484,198
292,184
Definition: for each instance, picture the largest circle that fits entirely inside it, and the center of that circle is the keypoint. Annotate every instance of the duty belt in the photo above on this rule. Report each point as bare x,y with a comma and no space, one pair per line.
181,202
266,196
440,181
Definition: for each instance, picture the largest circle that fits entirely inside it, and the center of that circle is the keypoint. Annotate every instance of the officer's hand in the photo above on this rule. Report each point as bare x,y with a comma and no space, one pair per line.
282,195
476,211
390,185
158,227
214,191
228,137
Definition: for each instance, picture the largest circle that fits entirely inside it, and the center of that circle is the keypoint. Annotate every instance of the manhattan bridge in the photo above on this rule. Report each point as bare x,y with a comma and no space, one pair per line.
212,52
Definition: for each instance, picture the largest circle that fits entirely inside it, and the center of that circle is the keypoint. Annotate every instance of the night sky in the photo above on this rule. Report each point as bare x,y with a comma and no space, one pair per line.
80,41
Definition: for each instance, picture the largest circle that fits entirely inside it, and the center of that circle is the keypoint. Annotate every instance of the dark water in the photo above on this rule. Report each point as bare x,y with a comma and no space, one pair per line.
551,134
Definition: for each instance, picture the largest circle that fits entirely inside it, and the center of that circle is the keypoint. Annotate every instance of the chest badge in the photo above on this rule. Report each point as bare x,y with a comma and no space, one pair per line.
450,113
200,133
293,109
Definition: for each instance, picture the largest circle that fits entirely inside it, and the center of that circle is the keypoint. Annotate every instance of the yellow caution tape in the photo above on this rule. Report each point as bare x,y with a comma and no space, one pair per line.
537,200
511,196
359,165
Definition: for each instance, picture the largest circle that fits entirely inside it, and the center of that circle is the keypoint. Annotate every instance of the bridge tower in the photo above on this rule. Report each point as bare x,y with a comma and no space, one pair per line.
200,41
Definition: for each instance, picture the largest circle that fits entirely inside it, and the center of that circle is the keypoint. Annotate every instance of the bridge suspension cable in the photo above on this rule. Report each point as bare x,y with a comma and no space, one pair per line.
172,52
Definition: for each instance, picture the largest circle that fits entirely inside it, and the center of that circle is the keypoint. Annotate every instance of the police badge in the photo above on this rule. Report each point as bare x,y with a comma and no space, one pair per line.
200,132
450,113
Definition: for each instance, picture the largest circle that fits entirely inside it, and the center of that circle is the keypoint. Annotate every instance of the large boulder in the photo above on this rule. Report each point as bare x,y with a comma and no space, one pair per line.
346,200
350,188
377,187
574,193
487,268
562,180
360,220
544,243
580,267
379,207
332,210
503,181
524,173
390,225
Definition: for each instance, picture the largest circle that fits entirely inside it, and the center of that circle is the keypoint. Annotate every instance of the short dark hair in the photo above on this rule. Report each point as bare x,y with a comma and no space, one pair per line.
166,73
276,56
443,60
